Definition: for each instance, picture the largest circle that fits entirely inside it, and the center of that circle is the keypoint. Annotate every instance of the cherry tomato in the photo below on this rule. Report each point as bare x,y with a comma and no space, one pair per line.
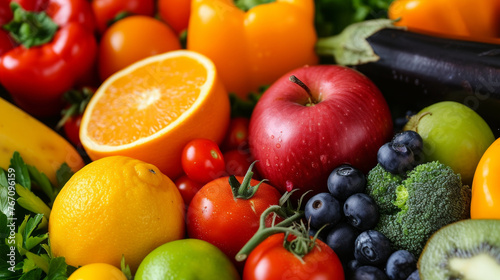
237,135
175,13
131,39
270,260
72,130
6,43
187,187
105,11
214,215
237,162
202,160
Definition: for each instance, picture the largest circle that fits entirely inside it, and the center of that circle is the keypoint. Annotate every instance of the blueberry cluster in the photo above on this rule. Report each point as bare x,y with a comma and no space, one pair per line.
346,217
404,152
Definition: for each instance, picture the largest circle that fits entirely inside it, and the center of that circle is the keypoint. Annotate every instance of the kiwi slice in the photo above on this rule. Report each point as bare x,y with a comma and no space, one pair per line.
465,250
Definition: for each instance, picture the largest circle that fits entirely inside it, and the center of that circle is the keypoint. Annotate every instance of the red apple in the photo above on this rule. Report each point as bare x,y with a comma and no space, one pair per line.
326,115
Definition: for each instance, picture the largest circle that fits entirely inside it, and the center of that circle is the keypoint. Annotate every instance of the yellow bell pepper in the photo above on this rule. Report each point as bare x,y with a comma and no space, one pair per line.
255,47
485,203
460,19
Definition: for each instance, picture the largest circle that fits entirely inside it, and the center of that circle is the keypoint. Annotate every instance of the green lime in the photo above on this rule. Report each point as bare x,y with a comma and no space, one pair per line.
186,259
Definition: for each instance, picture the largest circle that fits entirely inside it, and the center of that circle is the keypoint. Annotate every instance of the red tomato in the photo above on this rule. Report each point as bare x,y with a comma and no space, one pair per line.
187,187
202,160
215,216
131,39
105,11
237,135
237,162
72,130
270,260
175,13
6,42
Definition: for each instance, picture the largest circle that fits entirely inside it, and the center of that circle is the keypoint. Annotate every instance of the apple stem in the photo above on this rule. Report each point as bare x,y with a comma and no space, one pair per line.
296,80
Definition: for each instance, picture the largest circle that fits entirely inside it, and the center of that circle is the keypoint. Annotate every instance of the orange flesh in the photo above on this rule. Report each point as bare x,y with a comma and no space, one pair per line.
146,105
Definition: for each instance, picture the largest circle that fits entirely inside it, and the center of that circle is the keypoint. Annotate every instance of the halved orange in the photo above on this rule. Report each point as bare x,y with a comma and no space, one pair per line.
152,108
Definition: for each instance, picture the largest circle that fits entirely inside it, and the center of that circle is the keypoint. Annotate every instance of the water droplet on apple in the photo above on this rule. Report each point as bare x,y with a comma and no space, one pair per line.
314,165
278,146
267,162
323,158
288,186
272,136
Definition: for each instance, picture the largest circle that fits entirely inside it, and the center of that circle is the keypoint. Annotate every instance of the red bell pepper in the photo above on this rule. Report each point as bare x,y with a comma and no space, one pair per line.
55,48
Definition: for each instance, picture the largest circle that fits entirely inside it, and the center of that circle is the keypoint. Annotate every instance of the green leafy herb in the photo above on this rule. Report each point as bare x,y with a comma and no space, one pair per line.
35,274
332,16
41,180
21,171
244,108
57,269
63,174
5,199
31,202
29,243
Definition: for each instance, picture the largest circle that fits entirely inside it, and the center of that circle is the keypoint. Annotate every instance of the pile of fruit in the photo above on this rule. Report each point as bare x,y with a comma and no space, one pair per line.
172,139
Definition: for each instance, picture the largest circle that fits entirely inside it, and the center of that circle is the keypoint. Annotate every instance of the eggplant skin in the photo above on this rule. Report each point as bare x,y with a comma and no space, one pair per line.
416,70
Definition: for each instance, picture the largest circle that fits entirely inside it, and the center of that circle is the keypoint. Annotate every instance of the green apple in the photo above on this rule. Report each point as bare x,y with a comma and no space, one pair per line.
454,135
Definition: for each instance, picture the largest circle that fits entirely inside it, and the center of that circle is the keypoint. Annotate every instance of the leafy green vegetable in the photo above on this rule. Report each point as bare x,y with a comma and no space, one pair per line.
41,180
34,274
57,269
21,171
244,108
28,244
5,199
415,205
63,174
332,16
30,201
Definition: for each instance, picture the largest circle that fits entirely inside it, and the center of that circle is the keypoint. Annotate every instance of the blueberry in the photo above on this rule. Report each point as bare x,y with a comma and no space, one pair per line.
321,235
350,267
372,248
361,211
412,140
367,272
341,239
323,209
345,181
400,265
414,275
396,158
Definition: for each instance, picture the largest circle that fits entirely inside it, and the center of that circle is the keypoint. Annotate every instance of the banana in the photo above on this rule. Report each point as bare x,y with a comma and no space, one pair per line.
37,144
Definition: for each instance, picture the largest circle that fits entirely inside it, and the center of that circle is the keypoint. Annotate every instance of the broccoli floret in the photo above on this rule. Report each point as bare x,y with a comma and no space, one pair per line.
382,188
429,197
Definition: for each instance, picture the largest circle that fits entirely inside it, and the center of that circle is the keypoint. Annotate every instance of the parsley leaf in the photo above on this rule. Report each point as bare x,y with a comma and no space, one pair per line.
21,171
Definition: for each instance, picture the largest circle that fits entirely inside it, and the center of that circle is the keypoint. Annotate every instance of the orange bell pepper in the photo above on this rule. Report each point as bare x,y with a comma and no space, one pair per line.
255,47
485,203
459,19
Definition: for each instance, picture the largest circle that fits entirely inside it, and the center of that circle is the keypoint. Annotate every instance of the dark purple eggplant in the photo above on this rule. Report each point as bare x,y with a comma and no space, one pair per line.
415,70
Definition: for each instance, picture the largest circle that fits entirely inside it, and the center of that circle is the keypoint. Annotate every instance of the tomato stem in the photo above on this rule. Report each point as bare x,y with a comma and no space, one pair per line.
264,232
244,190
